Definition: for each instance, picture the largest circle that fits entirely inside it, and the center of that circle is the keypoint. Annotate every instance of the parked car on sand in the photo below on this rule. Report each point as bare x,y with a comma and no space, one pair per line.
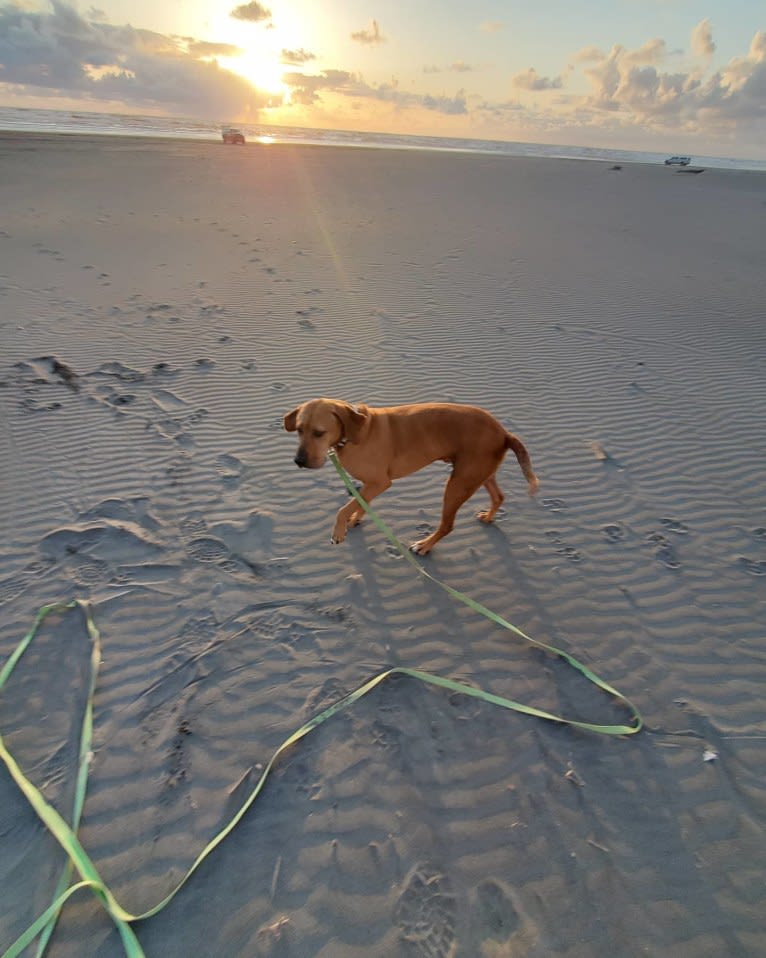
231,135
678,161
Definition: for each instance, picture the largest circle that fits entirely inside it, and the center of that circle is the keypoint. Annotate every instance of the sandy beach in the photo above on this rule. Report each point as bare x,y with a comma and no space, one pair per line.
162,305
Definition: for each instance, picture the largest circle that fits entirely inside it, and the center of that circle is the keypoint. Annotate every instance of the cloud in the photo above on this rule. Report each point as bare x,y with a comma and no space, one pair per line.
252,12
59,52
634,95
744,78
369,37
306,89
589,55
702,39
626,84
459,66
653,51
448,105
202,49
531,80
65,54
491,26
297,58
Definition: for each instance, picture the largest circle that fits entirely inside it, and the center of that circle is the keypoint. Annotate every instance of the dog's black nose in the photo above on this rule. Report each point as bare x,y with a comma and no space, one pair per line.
300,459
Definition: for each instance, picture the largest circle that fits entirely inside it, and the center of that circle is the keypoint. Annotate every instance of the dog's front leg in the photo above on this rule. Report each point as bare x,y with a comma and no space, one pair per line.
352,512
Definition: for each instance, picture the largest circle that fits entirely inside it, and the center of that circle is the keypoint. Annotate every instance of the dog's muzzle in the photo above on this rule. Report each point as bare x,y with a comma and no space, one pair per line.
303,462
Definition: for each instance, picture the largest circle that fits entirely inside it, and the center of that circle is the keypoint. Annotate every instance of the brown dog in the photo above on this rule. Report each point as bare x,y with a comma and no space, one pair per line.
380,445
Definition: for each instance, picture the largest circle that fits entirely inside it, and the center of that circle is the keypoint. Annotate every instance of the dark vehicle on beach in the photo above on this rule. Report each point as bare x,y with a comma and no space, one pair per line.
678,161
230,135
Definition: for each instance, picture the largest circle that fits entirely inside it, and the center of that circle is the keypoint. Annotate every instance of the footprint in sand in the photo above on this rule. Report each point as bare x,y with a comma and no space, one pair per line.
176,761
14,585
192,526
496,911
614,532
90,571
426,913
664,550
568,552
752,566
211,550
305,315
200,545
35,376
393,552
675,525
117,370
179,469
31,404
109,395
555,505
385,736
176,414
329,693
230,469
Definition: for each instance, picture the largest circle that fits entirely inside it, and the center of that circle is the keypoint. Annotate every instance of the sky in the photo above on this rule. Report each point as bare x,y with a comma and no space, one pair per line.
676,76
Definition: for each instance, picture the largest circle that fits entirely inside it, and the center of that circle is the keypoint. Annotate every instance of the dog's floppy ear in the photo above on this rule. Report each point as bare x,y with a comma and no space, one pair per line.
291,419
353,419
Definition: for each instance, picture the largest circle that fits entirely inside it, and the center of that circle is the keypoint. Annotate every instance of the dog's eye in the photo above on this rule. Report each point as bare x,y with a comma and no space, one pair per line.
318,433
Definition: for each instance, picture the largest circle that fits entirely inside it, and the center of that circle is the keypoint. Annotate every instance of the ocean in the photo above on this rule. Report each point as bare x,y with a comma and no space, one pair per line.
118,124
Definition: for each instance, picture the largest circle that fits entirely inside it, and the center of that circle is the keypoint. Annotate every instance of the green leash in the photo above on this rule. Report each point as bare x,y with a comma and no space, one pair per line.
636,720
66,834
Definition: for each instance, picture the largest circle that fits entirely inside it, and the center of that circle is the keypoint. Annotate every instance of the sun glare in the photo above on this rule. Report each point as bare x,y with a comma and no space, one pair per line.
265,73
259,50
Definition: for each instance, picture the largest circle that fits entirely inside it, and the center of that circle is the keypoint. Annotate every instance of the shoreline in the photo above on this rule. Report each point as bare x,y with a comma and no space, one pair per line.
134,141
458,146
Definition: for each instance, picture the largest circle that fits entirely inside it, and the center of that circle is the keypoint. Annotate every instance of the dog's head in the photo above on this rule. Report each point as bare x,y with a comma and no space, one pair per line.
320,424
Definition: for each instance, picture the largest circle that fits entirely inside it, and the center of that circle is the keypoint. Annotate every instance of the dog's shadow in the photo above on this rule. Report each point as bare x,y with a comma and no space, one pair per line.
415,623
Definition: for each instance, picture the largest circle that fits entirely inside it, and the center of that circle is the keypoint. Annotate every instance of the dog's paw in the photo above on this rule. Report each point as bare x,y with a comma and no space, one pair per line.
421,548
338,535
484,516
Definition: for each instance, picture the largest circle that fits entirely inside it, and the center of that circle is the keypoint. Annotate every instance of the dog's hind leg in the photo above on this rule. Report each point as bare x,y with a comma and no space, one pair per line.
496,500
460,487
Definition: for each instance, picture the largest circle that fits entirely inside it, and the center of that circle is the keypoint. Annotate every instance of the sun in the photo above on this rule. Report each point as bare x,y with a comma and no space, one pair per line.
264,71
257,51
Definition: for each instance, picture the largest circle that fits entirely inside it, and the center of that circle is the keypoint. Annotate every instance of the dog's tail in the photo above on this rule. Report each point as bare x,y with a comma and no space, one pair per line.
520,451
